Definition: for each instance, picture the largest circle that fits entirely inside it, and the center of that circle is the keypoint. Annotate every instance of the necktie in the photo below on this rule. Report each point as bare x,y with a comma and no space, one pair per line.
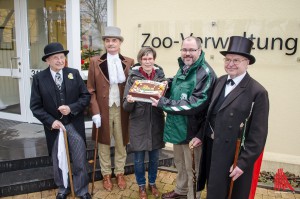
58,80
230,81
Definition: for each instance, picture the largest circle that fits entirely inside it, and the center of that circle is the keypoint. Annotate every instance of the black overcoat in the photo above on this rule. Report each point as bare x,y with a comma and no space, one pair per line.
44,104
231,114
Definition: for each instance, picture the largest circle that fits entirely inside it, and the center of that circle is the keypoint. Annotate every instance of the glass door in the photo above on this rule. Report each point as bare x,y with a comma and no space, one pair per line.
11,62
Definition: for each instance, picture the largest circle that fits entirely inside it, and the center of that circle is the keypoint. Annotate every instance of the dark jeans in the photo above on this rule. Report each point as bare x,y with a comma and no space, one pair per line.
139,166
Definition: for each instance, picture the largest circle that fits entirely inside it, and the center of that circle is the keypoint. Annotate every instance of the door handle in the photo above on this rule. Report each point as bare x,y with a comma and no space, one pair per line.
11,66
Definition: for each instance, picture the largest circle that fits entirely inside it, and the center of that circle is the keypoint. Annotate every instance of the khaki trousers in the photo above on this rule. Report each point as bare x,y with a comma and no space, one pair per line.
115,129
183,163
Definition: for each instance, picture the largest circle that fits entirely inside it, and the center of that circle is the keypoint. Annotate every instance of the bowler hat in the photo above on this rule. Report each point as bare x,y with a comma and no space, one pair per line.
240,46
52,49
112,32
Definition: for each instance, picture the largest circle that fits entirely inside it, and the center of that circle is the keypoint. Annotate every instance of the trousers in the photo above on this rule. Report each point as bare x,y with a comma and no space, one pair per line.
115,129
78,156
183,163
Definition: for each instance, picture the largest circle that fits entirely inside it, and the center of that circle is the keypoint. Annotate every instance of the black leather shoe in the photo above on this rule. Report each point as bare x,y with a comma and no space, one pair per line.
172,195
61,196
86,196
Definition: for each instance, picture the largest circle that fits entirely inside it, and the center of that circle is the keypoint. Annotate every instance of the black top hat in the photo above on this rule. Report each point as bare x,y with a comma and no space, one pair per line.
240,46
53,48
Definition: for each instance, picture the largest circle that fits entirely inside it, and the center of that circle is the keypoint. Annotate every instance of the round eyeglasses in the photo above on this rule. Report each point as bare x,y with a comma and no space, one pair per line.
234,61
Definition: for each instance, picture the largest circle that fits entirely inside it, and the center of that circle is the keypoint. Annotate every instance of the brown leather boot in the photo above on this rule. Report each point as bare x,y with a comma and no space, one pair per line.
107,184
154,190
142,191
121,181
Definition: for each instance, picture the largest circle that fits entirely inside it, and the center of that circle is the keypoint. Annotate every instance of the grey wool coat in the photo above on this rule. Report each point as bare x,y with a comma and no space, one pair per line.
146,122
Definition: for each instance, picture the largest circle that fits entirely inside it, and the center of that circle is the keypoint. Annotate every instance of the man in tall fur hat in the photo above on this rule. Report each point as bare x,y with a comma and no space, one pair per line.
237,98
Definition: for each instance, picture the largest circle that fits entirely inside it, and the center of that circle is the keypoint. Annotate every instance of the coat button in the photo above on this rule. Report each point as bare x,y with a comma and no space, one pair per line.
227,140
230,127
231,114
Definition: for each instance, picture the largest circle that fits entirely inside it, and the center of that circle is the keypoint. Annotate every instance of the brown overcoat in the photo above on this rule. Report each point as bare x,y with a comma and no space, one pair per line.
98,86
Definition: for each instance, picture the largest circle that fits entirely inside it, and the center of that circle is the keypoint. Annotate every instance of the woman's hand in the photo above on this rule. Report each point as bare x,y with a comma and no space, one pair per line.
130,99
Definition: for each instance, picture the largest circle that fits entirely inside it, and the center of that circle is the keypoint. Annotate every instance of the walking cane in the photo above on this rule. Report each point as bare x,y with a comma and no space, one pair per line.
94,166
69,164
236,155
194,172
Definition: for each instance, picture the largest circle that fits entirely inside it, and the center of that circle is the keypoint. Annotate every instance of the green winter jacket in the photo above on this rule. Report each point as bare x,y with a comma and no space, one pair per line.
188,100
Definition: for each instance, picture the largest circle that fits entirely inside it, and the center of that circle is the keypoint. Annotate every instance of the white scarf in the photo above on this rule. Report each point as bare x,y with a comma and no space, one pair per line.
115,69
62,158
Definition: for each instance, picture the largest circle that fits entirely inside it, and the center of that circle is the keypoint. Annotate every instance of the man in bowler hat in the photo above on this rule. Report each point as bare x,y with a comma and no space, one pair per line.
106,82
237,98
58,99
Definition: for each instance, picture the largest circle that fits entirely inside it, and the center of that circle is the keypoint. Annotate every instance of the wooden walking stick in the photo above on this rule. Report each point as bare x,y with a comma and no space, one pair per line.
236,155
194,172
95,157
69,164
240,142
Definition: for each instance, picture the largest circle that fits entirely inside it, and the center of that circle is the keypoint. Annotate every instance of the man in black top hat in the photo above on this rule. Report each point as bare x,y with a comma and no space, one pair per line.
58,99
237,98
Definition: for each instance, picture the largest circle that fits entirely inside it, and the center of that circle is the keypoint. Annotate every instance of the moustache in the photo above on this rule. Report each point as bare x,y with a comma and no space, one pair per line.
188,56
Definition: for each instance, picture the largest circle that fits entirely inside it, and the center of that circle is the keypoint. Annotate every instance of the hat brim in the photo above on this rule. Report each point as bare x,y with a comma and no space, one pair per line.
53,53
248,56
118,37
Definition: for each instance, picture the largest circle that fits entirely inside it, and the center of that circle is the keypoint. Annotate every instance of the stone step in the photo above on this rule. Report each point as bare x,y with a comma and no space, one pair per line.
34,177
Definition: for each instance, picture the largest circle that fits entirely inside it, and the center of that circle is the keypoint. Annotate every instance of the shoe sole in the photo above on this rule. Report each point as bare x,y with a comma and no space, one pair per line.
178,197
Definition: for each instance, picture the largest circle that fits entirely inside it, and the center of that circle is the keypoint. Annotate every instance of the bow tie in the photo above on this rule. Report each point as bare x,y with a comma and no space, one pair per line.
230,81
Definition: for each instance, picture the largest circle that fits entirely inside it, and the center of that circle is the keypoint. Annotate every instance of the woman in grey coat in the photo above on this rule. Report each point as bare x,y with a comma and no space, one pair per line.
146,123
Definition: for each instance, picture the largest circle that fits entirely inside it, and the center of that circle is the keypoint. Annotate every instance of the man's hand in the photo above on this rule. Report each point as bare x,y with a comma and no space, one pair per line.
235,173
130,99
57,125
195,142
154,101
64,110
97,120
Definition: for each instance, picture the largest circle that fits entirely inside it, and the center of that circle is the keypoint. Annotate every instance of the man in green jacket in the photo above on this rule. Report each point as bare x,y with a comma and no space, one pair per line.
186,105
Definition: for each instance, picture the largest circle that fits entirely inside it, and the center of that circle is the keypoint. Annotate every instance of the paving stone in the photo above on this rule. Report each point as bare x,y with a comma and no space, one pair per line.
287,195
262,191
36,195
132,191
23,196
271,193
258,196
268,197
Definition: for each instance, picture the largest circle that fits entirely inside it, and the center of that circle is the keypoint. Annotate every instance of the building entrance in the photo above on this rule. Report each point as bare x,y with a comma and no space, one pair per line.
25,28
12,84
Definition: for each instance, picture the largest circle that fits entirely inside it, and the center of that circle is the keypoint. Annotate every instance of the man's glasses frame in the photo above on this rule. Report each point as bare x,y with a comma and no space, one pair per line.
234,61
184,50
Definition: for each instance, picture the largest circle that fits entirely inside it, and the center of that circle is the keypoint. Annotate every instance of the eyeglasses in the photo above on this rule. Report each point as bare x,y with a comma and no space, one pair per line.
147,59
234,61
56,58
184,50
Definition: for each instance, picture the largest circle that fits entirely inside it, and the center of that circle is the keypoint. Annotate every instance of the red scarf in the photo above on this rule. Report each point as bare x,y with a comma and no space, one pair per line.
149,77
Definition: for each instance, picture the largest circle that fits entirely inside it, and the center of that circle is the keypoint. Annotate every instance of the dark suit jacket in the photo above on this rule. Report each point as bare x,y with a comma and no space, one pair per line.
234,110
44,104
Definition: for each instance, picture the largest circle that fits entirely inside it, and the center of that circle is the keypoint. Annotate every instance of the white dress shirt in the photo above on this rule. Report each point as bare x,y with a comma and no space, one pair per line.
236,80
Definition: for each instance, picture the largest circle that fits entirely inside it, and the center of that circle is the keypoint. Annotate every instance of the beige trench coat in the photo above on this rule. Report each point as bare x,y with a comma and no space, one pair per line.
98,85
